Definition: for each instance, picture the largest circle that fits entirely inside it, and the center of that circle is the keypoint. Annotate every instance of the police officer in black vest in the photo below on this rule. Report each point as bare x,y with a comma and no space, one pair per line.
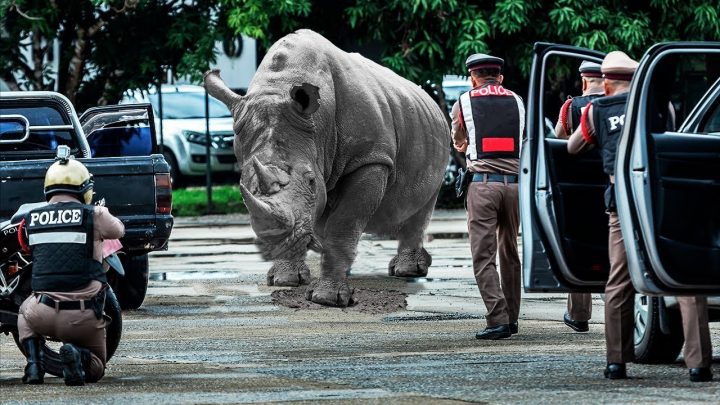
579,305
601,124
68,281
487,124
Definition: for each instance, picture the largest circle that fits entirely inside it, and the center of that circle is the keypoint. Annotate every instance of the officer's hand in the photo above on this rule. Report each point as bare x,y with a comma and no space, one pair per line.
462,147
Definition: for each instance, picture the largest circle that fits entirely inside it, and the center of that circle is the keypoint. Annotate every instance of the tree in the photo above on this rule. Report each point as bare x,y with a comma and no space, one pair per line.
424,39
105,46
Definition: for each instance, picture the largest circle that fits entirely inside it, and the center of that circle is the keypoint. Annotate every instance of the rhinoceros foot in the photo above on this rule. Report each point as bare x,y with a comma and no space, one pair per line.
410,263
329,292
288,273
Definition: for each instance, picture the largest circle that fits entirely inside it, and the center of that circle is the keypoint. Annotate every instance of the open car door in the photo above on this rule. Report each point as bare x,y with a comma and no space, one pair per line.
120,130
562,211
668,179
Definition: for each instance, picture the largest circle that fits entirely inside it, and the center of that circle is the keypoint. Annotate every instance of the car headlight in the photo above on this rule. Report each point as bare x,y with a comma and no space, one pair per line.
195,137
216,141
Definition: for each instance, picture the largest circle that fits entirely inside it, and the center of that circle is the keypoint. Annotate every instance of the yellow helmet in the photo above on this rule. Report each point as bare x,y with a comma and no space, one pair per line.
71,177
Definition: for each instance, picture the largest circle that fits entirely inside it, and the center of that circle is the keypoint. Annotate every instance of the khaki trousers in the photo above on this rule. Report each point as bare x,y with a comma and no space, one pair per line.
619,311
79,327
579,306
493,227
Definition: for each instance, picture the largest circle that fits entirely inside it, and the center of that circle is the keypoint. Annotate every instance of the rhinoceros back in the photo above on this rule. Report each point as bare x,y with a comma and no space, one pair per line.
373,115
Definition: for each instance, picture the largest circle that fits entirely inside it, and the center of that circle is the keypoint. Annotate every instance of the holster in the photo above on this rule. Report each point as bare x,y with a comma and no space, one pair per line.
462,182
98,303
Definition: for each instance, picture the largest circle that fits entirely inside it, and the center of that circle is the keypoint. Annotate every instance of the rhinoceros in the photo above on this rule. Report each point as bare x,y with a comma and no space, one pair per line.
331,145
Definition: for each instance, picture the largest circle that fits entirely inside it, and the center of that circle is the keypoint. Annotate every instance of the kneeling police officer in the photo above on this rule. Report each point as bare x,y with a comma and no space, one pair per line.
68,281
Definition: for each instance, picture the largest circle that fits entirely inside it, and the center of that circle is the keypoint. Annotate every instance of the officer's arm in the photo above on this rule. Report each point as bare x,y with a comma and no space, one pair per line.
564,119
583,139
107,225
459,135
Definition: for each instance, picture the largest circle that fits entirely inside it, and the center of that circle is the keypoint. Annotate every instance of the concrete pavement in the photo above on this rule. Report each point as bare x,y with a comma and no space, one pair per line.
210,333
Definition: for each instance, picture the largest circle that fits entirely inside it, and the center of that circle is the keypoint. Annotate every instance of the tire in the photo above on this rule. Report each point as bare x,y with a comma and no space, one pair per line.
175,176
113,333
652,346
132,288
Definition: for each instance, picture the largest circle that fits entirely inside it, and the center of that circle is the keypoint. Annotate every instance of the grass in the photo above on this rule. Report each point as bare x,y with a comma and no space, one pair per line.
192,201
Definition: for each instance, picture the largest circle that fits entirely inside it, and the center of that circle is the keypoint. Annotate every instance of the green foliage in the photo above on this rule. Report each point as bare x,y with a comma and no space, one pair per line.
193,201
106,46
424,39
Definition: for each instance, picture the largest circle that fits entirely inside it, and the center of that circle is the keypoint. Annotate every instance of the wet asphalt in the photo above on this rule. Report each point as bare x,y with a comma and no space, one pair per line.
209,332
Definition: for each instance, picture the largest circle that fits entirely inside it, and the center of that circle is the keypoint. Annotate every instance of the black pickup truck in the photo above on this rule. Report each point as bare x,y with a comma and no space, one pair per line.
118,146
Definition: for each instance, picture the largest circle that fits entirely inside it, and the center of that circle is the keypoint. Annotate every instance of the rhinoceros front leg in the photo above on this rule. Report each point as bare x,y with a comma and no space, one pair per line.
358,197
412,260
288,273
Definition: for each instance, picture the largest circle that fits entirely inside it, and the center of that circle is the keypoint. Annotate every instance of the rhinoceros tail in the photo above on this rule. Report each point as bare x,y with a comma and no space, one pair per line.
217,88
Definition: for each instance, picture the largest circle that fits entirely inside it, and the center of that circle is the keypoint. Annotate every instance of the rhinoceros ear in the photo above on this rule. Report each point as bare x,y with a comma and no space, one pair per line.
306,98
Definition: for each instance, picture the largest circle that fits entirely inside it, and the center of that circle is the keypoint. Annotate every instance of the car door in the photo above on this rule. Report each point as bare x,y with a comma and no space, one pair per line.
668,180
564,225
120,130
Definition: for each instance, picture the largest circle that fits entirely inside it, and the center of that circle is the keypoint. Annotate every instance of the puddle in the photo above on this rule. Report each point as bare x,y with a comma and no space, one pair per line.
438,317
193,275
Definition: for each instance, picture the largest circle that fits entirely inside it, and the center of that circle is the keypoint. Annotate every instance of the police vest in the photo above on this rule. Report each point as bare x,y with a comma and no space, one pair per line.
609,118
494,118
573,108
60,237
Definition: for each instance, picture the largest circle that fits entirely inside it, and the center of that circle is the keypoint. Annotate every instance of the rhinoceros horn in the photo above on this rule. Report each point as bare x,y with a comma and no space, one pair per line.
268,181
266,220
217,88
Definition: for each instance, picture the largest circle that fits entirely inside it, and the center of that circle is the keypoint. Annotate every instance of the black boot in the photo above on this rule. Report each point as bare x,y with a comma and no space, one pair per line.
34,370
76,361
616,371
700,374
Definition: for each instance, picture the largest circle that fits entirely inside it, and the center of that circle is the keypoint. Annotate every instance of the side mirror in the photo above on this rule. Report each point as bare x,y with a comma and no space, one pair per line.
14,129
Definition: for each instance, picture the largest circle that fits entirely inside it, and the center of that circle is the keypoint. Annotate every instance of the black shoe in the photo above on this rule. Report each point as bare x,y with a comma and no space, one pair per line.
73,370
616,371
34,370
496,332
700,374
514,327
577,326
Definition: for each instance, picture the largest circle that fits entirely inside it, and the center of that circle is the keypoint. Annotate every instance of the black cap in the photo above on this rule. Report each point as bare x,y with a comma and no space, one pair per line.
590,69
483,61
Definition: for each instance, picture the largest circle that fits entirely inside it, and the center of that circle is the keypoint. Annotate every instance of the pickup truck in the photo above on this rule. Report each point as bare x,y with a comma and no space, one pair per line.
118,146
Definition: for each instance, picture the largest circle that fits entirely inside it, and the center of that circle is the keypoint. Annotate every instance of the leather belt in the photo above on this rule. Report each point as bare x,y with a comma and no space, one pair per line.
495,178
61,305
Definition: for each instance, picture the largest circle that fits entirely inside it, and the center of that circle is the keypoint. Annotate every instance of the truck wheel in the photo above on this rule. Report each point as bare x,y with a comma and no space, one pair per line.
652,346
132,288
175,175
113,333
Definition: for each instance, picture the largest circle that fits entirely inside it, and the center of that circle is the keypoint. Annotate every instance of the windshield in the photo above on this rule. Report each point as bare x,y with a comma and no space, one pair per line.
453,92
188,105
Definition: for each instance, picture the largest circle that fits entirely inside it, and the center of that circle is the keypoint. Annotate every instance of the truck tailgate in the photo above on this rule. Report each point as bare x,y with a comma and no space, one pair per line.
126,183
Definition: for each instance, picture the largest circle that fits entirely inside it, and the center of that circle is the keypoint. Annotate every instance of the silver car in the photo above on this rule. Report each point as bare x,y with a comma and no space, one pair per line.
667,188
184,139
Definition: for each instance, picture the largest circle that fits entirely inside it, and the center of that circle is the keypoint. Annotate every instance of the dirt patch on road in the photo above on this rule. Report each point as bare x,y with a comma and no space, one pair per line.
366,300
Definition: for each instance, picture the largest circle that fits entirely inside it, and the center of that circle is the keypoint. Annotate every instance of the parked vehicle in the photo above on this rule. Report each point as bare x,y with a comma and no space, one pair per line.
119,150
667,189
15,278
184,136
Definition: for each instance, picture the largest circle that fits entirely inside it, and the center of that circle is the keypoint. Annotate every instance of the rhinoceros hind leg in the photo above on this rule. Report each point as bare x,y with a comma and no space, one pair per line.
288,273
336,293
410,263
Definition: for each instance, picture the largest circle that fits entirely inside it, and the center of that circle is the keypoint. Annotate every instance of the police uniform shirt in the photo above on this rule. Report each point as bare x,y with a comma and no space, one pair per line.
497,165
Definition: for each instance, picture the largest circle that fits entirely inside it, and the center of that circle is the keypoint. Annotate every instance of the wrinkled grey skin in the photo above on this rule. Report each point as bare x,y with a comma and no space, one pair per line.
332,145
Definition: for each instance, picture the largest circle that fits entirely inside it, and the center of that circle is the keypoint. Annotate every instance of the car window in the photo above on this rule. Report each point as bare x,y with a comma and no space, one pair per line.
186,105
712,125
678,83
42,141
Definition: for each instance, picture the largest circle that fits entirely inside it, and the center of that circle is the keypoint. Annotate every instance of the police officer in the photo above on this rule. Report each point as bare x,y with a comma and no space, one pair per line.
487,123
601,125
68,281
579,305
